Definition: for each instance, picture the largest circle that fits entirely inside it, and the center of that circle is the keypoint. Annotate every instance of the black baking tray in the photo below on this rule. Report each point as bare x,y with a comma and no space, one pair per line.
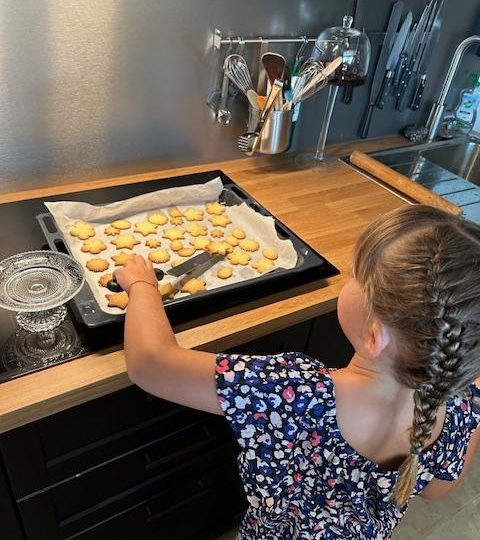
311,266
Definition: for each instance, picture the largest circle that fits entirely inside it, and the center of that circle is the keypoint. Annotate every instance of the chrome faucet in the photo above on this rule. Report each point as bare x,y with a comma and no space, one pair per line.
436,114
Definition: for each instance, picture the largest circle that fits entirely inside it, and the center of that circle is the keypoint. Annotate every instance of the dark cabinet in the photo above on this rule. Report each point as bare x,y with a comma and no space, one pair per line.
9,523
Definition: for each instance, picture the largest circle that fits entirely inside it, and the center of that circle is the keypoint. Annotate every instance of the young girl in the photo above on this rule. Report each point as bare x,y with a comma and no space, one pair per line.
337,454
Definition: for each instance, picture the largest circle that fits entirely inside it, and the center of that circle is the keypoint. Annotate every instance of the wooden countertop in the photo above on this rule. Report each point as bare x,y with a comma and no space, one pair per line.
328,210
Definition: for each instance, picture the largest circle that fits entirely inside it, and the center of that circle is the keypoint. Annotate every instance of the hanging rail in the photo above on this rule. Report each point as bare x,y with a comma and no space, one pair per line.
219,39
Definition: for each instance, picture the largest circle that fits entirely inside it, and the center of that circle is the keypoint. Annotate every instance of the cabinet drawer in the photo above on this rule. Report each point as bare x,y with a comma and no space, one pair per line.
67,444
49,515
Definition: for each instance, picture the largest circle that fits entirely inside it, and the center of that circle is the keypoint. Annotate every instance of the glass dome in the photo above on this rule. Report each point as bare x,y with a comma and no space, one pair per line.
352,45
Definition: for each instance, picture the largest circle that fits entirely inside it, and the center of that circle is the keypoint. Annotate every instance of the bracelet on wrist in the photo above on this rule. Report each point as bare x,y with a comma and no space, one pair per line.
141,281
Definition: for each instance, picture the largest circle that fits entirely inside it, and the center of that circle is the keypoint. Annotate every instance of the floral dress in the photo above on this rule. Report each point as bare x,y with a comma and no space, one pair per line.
302,479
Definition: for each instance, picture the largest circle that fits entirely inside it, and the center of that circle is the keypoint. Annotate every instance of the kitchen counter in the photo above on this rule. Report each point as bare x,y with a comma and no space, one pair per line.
327,210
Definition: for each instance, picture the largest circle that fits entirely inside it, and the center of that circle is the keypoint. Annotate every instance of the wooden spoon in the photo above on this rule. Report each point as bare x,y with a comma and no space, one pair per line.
274,65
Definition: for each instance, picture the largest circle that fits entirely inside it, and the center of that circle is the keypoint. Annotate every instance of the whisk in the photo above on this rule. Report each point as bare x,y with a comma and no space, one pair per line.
236,69
313,76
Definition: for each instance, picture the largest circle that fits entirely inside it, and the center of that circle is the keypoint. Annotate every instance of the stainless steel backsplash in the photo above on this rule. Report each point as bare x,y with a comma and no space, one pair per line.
89,88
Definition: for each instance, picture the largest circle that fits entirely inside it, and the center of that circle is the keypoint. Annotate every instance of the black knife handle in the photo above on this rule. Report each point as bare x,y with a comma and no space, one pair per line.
365,123
418,94
401,64
383,94
403,90
114,286
347,94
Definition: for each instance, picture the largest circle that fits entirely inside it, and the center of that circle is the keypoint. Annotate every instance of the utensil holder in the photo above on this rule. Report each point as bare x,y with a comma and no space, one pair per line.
276,133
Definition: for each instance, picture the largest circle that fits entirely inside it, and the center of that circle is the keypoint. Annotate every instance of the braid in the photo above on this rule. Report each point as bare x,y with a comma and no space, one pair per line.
441,373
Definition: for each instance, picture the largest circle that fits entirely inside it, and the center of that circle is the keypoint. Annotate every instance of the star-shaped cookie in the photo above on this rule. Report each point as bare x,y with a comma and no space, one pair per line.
119,299
194,286
222,248
173,234
125,241
145,228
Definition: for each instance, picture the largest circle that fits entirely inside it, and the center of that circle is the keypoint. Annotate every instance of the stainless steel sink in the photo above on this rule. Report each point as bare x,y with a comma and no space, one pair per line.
462,159
449,168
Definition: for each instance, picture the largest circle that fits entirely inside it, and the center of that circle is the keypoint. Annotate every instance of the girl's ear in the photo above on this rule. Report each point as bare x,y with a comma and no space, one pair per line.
377,338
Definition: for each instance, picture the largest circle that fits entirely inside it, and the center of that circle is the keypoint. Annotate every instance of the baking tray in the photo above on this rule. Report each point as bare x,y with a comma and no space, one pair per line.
310,266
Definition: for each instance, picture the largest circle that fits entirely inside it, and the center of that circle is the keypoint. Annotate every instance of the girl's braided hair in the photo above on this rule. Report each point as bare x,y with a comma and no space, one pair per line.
420,271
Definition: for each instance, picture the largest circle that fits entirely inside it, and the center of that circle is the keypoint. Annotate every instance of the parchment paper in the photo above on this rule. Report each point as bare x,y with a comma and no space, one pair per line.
256,227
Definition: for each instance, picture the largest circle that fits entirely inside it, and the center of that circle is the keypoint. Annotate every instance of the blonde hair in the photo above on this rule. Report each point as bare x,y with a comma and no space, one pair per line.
420,271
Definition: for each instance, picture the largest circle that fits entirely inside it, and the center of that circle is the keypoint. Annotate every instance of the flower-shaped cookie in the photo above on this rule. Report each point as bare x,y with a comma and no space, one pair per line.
125,241
239,257
173,234
121,258
194,286
232,240
145,228
82,230
159,256
93,246
197,230
248,245
193,214
201,242
153,243
158,218
122,224
215,208
111,230
97,265
219,221
222,248
216,233
262,265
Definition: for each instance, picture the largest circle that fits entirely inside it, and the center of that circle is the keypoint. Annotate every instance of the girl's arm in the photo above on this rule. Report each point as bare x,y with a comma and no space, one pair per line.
155,361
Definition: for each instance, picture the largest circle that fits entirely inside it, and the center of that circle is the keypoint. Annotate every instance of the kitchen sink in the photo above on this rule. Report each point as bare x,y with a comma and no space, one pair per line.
449,168
462,159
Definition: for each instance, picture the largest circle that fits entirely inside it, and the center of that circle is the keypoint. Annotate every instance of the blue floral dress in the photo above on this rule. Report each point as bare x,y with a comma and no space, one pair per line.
302,479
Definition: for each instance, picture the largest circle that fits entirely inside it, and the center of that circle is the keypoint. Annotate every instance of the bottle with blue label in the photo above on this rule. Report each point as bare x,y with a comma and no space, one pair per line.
466,111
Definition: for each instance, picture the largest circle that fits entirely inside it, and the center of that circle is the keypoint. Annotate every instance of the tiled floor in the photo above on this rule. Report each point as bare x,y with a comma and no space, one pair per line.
457,516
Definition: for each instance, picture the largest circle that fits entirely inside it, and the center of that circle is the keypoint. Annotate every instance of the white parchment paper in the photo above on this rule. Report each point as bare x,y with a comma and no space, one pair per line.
256,227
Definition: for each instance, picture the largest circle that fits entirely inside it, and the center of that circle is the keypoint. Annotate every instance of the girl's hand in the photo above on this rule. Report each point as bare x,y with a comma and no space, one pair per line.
135,269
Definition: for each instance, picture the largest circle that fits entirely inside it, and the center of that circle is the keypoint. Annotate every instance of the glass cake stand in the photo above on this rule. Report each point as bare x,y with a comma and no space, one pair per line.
37,284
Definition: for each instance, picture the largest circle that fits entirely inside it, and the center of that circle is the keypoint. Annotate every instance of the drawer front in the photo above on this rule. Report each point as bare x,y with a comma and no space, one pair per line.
66,444
157,503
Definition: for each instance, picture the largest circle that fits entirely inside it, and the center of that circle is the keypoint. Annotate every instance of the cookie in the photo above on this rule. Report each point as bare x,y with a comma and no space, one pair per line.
145,228
215,208
166,290
93,246
239,257
125,242
175,245
232,240
121,224
119,299
262,265
159,218
248,245
222,248
186,252
176,220
173,234
153,243
270,253
174,212
197,230
216,233
219,221
97,265
238,233
111,230
82,230
103,281
200,243
159,256
194,286
121,258
224,272
193,214
176,262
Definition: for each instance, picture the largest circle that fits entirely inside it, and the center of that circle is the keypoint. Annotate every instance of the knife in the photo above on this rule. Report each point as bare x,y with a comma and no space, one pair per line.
194,267
394,58
381,65
412,61
431,41
402,62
